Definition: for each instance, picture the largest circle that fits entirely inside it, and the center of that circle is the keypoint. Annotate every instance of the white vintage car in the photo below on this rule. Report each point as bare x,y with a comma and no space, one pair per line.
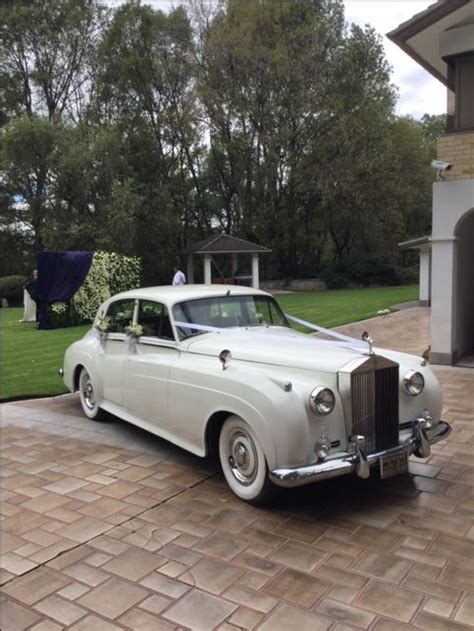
217,369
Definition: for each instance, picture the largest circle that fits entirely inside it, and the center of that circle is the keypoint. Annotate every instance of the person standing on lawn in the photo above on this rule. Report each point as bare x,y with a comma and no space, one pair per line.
30,296
179,278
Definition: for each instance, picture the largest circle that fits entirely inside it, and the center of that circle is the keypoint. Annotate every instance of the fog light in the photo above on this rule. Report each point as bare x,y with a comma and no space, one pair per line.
322,447
426,414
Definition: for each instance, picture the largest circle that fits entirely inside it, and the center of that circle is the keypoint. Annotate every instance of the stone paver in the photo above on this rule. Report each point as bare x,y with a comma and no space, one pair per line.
138,534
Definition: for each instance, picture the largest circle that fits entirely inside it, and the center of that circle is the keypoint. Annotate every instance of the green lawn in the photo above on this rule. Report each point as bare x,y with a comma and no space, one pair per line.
31,358
340,306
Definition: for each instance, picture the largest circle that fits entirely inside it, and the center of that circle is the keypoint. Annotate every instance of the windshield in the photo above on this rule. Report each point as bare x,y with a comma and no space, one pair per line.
228,311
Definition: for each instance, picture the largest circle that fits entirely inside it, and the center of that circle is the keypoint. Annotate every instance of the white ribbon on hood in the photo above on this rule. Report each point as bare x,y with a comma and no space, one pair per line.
346,341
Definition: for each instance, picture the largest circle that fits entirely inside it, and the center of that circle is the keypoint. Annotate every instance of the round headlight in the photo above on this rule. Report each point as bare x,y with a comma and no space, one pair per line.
414,382
322,400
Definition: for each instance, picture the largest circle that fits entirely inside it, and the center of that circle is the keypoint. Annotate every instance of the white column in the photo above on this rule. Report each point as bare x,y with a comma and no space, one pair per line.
425,278
207,270
443,292
190,269
234,264
255,277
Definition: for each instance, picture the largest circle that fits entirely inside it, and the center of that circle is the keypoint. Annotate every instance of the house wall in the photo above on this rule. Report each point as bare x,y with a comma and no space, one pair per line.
452,200
425,277
464,324
458,150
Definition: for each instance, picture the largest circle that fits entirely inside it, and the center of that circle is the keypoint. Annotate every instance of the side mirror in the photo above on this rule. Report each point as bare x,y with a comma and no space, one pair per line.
224,358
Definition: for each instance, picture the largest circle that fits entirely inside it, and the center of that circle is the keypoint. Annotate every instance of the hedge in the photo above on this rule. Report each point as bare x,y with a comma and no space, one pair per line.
11,288
365,272
110,273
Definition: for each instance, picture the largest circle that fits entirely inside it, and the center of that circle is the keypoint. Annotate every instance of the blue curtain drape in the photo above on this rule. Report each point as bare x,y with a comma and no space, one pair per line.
60,274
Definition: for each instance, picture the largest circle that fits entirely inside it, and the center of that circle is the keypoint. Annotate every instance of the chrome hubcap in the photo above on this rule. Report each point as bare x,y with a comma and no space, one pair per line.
242,457
88,393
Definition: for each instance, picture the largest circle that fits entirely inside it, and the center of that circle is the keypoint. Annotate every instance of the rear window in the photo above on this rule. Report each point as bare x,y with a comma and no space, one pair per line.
153,317
120,313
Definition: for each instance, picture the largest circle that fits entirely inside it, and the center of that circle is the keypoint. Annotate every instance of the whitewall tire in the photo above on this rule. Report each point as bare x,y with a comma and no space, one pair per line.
243,461
88,396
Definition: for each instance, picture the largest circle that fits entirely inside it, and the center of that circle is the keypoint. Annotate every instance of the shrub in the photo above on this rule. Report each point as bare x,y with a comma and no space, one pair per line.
411,275
62,315
374,271
371,271
110,273
334,280
11,288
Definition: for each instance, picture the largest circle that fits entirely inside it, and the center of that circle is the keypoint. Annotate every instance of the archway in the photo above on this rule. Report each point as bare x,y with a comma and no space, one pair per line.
464,288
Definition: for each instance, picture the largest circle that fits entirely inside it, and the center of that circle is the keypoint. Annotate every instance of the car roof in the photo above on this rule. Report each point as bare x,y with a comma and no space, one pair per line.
170,295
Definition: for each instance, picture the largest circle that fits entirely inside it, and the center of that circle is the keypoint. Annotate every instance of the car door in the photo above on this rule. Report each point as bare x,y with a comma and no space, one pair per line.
115,349
147,366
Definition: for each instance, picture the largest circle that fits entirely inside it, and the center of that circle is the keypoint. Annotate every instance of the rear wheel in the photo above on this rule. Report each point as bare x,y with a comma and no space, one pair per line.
243,462
88,398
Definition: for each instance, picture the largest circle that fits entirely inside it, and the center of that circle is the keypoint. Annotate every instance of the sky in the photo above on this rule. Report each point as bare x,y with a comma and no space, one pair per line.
419,92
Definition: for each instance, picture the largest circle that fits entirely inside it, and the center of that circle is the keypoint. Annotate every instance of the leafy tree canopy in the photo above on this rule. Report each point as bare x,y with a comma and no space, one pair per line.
139,131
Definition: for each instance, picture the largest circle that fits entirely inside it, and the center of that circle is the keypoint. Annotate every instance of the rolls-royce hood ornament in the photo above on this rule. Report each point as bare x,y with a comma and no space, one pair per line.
366,338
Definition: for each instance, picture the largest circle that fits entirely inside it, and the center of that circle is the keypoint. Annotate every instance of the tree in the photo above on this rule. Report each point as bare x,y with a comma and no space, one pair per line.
433,126
297,108
28,148
145,88
47,49
138,131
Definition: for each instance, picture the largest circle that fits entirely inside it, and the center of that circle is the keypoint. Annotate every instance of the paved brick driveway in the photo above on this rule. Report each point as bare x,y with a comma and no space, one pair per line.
103,537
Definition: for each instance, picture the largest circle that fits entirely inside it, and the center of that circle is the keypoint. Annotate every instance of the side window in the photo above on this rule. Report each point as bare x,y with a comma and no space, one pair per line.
120,313
153,316
266,312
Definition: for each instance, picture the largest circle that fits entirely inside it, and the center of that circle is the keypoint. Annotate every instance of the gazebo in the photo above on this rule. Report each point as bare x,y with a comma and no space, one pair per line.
223,244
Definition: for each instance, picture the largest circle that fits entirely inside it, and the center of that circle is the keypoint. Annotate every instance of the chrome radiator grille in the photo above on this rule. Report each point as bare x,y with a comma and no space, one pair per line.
374,398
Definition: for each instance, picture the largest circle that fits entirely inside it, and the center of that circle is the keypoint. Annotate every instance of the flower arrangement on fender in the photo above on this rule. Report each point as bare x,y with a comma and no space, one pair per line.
103,324
134,329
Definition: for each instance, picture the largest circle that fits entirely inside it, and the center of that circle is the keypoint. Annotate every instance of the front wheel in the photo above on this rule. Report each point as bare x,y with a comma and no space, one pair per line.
243,462
87,395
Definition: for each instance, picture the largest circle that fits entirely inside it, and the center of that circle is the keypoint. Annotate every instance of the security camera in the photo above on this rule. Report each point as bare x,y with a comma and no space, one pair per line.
440,167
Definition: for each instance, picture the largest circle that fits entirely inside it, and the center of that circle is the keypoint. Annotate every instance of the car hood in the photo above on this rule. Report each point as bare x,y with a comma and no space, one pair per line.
276,345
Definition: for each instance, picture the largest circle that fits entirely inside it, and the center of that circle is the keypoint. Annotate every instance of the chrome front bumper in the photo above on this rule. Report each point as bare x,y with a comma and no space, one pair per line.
358,462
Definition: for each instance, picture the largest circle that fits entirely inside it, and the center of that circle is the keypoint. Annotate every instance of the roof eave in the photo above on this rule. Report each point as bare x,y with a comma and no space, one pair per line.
420,22
419,60
413,244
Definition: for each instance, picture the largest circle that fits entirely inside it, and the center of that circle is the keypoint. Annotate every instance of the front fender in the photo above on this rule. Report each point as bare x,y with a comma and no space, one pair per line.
77,355
277,416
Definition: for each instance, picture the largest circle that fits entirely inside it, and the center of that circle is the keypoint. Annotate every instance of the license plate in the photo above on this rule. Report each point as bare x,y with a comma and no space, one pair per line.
393,465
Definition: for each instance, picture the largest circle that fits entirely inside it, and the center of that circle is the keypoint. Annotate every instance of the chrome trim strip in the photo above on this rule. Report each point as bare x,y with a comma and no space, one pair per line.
358,462
149,340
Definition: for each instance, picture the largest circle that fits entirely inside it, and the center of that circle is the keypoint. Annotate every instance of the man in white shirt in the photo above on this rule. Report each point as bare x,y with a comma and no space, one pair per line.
179,278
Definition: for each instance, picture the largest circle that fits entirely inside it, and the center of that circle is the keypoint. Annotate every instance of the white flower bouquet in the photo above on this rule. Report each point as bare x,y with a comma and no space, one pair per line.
59,307
134,330
103,324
